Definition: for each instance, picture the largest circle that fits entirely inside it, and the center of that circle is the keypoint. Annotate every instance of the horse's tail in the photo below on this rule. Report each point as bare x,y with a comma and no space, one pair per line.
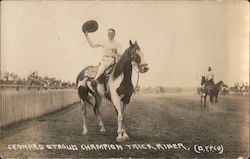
76,81
83,94
83,91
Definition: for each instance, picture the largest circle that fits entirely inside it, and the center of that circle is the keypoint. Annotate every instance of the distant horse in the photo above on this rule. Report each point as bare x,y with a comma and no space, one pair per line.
217,89
119,85
211,90
199,90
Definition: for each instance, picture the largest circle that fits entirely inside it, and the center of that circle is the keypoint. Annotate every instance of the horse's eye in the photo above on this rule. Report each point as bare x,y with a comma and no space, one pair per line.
137,58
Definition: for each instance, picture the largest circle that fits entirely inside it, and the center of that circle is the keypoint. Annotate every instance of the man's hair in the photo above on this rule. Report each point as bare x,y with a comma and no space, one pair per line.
113,30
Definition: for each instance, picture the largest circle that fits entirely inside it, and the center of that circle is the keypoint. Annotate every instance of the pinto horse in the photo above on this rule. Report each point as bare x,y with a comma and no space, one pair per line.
119,86
211,90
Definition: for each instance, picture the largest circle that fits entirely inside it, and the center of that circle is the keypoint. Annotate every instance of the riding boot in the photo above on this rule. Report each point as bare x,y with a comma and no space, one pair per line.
106,92
94,84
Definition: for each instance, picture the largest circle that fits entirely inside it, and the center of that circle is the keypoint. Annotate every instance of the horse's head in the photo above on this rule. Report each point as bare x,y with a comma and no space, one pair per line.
220,83
203,80
137,57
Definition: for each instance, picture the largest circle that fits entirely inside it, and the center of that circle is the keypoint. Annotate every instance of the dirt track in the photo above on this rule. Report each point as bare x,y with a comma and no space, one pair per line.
151,120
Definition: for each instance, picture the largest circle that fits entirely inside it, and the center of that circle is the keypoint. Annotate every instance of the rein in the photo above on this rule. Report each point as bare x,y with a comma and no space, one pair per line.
138,75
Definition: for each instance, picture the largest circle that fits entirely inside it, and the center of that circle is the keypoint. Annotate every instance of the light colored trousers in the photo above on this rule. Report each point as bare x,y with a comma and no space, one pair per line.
105,63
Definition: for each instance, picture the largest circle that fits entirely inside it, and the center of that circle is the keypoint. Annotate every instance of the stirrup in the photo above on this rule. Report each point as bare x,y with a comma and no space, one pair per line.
94,83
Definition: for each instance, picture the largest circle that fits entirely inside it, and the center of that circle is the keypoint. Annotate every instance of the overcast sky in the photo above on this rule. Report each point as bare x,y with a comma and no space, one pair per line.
179,39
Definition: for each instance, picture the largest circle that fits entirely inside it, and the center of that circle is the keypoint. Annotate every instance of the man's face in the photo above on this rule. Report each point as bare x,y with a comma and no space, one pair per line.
111,34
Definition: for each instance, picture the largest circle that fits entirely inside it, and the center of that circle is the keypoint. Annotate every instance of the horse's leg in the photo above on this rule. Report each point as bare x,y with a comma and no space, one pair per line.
97,112
117,103
84,114
216,97
124,111
205,99
211,99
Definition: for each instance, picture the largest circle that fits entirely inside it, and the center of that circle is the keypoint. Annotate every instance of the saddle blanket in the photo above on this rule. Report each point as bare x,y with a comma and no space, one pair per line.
91,71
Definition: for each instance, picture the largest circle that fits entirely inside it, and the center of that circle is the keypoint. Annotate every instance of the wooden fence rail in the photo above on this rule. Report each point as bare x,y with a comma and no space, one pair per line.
20,105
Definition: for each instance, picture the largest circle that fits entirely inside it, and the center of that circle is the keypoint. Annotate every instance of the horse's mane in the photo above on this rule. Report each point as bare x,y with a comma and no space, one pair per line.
123,63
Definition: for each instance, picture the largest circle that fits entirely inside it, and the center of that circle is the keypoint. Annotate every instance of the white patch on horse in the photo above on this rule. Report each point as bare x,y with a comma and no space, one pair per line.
113,85
101,90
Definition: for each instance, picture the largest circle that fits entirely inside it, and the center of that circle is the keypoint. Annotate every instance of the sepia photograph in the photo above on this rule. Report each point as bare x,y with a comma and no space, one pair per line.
124,79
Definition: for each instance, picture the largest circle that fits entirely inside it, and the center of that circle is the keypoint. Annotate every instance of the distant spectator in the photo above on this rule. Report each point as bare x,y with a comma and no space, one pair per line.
33,79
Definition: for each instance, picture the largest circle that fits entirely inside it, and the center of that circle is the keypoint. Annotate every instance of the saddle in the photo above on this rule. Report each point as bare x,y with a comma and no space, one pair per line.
210,82
91,72
210,85
103,79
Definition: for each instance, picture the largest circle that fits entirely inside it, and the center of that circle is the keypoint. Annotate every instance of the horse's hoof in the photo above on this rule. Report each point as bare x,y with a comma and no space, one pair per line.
84,132
119,139
102,130
125,137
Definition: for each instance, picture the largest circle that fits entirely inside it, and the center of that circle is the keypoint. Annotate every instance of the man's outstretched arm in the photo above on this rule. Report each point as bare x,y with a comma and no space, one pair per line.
91,43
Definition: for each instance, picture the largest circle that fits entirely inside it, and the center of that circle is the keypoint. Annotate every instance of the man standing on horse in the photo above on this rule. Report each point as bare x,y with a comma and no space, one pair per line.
111,52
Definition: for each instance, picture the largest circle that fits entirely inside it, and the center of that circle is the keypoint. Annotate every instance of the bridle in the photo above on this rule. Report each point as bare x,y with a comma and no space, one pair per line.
136,62
138,76
136,69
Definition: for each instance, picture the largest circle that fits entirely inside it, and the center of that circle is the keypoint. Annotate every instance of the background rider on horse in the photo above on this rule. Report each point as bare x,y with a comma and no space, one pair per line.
209,79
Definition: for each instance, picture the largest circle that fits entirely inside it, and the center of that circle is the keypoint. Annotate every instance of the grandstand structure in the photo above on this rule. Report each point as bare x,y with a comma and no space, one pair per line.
12,81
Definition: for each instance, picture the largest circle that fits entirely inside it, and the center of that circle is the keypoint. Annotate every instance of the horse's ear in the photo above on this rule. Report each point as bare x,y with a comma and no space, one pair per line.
130,42
136,42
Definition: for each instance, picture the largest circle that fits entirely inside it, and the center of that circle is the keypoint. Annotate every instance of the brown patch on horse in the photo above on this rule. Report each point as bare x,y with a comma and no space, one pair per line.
122,63
124,67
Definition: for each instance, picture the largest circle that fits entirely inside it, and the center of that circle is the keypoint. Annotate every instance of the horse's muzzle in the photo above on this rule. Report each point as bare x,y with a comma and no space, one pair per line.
143,68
